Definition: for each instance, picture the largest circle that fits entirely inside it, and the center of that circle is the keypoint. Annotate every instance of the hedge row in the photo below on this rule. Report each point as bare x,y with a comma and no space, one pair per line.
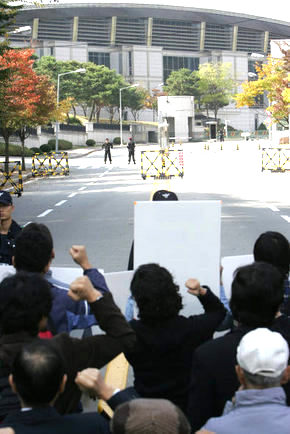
15,150
63,145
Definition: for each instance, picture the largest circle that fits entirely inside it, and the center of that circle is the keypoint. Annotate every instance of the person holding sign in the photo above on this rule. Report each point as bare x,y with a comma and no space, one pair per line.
161,358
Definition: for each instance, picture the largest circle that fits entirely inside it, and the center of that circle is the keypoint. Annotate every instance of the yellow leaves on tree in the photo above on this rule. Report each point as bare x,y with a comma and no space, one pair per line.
273,78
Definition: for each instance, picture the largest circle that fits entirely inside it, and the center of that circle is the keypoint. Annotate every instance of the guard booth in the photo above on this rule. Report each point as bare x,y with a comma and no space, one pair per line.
178,112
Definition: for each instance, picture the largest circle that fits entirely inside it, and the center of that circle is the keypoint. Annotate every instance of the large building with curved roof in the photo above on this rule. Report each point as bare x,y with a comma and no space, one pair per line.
146,42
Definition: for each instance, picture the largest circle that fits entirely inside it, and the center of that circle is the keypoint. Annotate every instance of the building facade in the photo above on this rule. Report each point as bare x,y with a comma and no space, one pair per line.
145,43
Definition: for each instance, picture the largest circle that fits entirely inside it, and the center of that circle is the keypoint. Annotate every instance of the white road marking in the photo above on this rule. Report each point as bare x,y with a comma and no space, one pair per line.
285,217
82,188
273,208
45,213
26,224
60,203
72,194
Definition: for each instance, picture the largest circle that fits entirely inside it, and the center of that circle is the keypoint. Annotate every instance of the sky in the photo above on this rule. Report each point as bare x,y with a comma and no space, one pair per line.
275,9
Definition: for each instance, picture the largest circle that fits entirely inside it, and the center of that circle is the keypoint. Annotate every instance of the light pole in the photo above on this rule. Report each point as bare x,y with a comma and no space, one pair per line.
57,101
155,94
226,127
121,126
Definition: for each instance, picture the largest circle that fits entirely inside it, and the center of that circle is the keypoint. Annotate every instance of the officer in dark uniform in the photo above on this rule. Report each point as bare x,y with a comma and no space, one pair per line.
131,150
8,228
107,146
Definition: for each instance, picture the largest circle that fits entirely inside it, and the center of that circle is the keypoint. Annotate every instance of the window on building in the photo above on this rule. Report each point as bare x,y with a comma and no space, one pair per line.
100,58
173,63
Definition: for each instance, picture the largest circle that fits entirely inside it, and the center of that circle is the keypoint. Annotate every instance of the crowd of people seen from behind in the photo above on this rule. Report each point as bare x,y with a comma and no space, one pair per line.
186,379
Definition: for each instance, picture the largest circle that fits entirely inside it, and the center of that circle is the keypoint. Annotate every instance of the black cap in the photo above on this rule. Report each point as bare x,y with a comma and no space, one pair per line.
164,195
5,198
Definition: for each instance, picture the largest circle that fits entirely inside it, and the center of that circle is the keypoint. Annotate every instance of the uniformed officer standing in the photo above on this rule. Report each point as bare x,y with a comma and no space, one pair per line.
8,228
107,145
131,150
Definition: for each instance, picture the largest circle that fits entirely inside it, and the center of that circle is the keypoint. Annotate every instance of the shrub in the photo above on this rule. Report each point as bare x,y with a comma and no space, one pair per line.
63,145
74,121
15,150
90,142
44,148
35,150
117,141
262,126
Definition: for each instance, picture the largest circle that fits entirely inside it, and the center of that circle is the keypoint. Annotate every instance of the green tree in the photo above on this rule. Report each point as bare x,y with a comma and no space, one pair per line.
135,99
8,11
215,86
182,82
113,99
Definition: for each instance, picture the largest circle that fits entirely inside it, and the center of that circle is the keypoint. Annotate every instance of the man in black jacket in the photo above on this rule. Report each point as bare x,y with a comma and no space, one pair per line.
8,228
257,294
131,150
107,146
38,377
25,303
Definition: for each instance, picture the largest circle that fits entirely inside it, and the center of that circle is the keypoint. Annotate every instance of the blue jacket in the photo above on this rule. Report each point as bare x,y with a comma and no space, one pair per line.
255,411
67,314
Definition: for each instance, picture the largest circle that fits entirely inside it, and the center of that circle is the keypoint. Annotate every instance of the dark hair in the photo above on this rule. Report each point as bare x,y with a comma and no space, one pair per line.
38,370
274,248
156,294
161,195
33,248
25,299
257,293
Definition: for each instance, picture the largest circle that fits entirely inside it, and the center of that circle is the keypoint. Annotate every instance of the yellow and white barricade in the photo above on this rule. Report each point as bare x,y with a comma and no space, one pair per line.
53,163
11,176
162,164
276,159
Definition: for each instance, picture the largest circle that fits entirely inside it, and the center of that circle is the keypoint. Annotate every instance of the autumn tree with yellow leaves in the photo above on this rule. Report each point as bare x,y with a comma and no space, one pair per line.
273,79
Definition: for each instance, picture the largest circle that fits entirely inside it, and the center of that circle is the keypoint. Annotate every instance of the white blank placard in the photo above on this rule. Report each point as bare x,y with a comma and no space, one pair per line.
184,237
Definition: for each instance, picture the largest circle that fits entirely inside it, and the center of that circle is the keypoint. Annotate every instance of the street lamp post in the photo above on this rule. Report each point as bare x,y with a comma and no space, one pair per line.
121,125
226,127
155,94
57,101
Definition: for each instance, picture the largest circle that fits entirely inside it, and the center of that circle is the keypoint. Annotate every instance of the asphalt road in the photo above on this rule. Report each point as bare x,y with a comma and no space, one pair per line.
94,204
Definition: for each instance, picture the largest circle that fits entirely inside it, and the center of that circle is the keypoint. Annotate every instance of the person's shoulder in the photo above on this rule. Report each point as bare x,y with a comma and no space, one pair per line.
218,345
15,227
90,422
282,325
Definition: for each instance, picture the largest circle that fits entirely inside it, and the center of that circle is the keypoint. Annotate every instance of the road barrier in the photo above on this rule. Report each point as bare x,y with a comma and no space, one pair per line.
11,176
276,159
50,164
162,164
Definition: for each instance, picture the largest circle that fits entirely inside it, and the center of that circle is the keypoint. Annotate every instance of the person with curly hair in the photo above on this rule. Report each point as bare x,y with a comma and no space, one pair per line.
161,357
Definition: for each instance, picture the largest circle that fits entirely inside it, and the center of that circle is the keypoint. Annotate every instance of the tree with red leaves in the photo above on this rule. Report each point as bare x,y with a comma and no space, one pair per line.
26,99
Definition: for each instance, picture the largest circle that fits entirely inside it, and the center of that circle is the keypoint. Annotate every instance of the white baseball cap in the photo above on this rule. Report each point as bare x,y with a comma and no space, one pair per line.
263,352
